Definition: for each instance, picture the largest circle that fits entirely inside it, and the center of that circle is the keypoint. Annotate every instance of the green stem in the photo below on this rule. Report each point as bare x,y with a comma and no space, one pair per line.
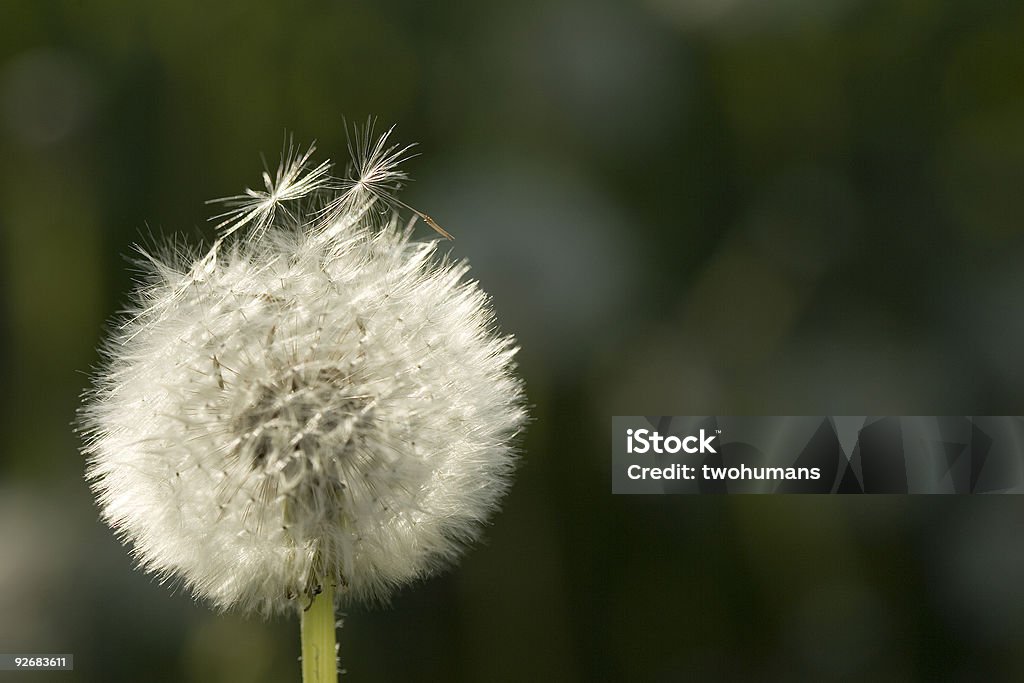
319,663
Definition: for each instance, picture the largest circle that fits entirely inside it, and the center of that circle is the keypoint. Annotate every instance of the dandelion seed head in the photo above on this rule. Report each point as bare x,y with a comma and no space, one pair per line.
317,398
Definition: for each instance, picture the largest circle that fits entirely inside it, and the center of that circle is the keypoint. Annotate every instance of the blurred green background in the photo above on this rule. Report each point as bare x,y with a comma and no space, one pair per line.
681,207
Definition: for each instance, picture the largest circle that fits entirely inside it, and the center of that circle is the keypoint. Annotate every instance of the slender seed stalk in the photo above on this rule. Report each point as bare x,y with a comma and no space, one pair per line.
319,656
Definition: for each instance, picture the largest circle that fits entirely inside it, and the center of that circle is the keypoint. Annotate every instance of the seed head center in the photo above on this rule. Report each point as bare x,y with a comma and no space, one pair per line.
306,422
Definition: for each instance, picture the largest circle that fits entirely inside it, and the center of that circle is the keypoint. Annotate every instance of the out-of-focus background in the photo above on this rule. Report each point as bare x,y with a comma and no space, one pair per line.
680,207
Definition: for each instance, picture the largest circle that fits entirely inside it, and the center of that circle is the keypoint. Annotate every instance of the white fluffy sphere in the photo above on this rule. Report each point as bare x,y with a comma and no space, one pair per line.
325,401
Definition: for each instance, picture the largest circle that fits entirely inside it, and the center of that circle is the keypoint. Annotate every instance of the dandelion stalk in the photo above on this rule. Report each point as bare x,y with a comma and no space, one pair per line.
319,654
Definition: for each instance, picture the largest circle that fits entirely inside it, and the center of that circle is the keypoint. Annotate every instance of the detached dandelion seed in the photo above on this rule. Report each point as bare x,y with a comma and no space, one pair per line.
315,411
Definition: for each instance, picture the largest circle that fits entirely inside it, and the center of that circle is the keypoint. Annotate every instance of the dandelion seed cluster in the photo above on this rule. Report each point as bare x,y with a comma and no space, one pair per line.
317,398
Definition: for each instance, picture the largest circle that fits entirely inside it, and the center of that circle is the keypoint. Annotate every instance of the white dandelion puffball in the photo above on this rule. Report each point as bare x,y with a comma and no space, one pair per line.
316,399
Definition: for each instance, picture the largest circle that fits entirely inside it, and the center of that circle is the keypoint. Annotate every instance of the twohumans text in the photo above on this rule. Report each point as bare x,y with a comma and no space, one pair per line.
709,473
645,441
